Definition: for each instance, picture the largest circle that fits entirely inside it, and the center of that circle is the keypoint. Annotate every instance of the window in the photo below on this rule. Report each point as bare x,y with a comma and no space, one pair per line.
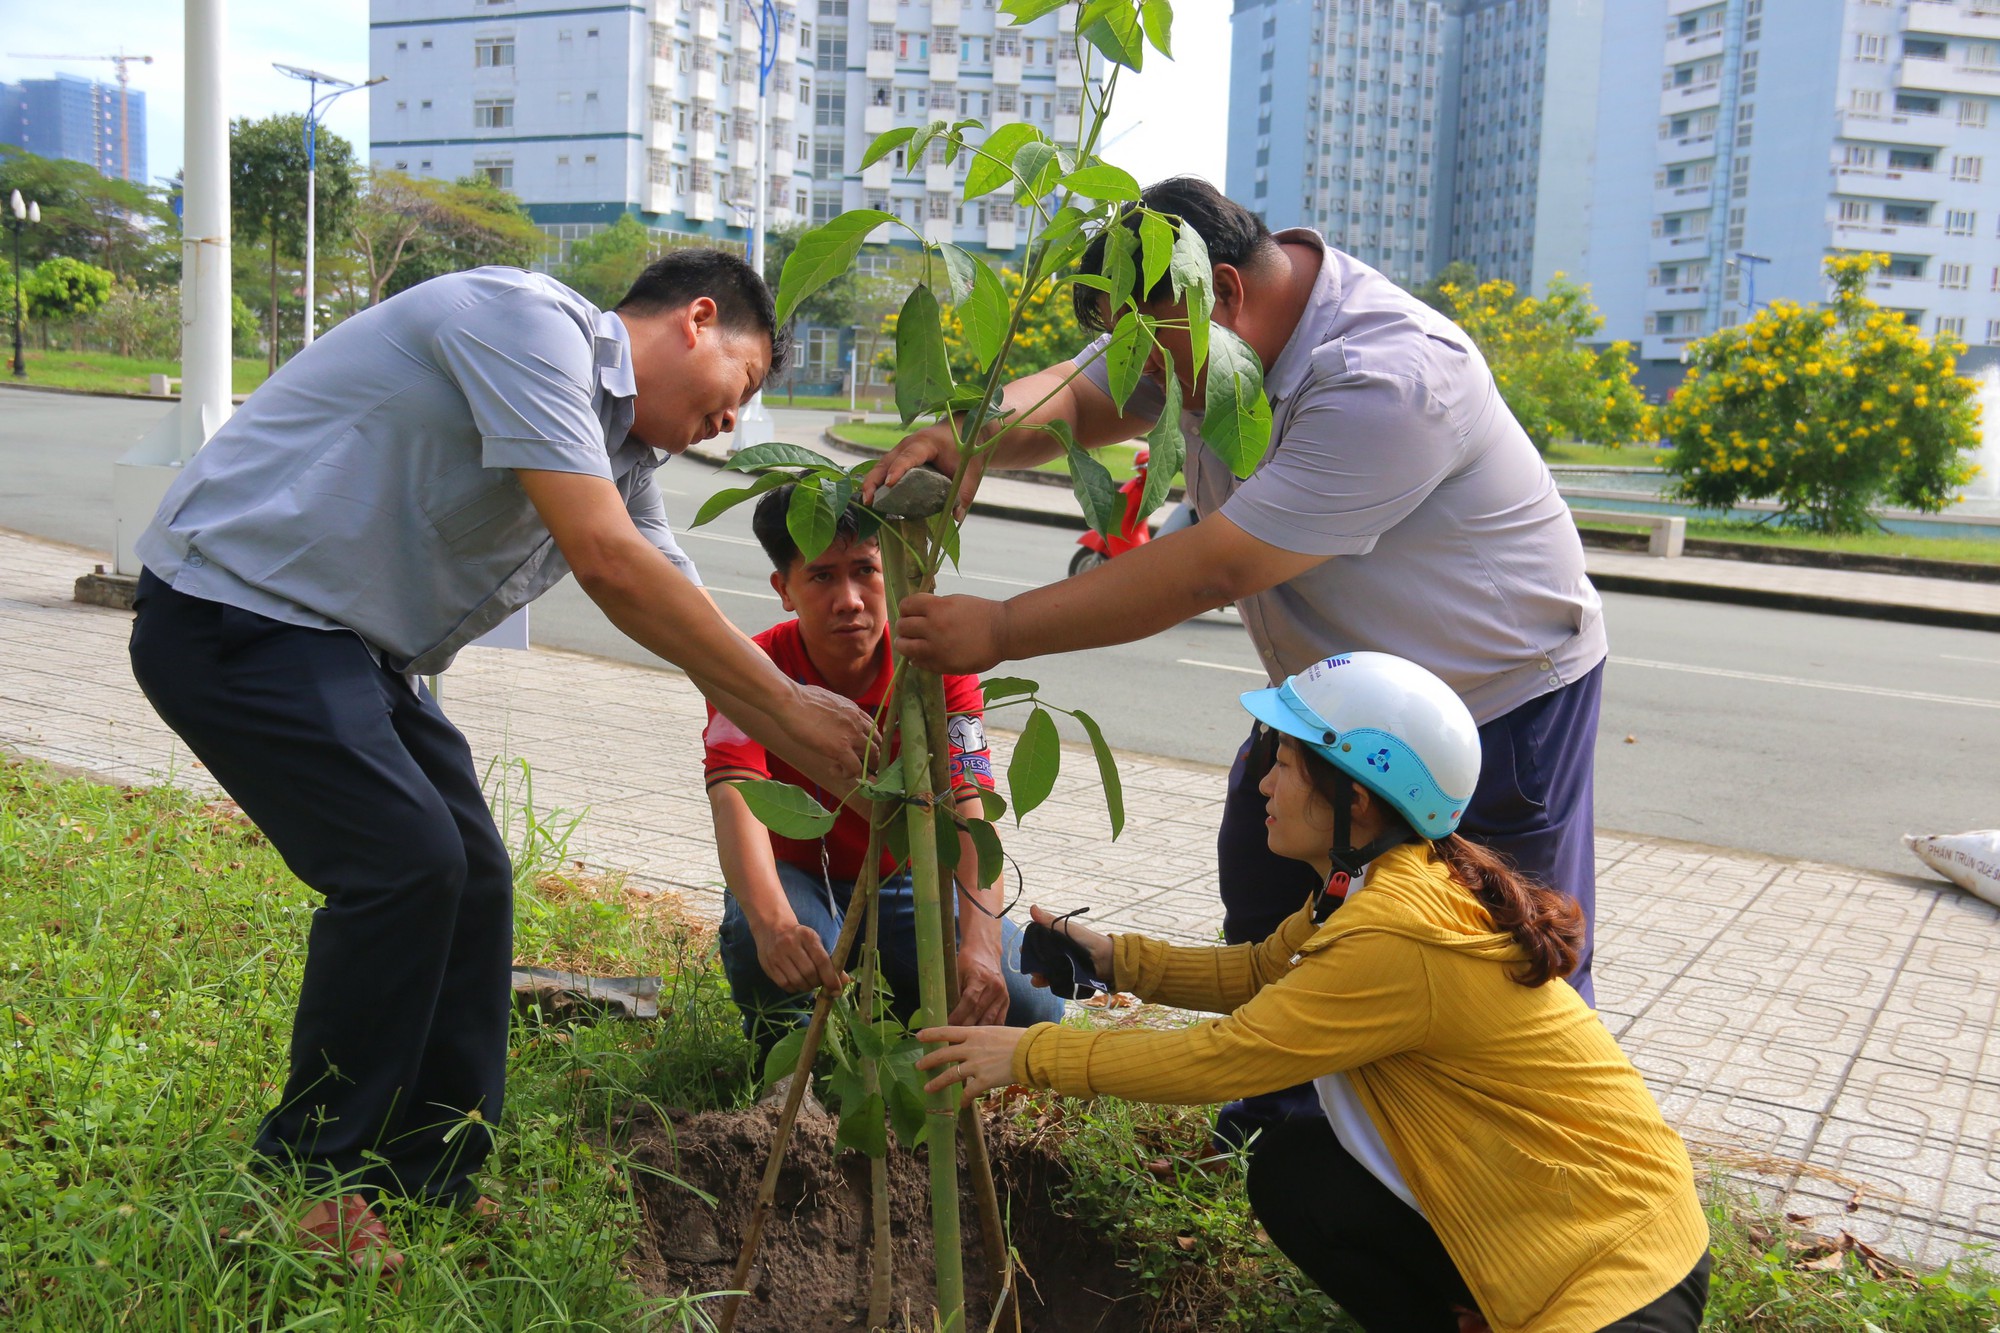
493,113
402,106
1870,46
1952,324
1867,101
1923,48
1960,222
1911,159
1906,266
1906,215
1971,113
499,172
1854,210
826,159
1956,277
492,52
1860,156
1917,104
1992,332
1967,168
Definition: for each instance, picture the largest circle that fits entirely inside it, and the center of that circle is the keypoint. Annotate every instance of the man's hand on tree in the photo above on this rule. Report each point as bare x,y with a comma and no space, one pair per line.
933,446
956,635
795,959
982,986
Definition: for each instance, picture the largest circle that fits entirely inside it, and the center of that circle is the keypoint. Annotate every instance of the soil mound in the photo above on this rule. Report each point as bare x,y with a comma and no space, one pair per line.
812,1268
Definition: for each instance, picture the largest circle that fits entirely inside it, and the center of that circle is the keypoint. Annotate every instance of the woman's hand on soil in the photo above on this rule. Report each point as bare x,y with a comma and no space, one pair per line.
980,1058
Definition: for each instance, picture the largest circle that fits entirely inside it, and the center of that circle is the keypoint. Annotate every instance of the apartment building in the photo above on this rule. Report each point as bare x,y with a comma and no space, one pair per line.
1790,129
1432,130
78,119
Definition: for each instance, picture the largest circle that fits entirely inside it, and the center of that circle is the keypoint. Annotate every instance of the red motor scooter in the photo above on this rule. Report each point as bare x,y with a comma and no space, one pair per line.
1095,549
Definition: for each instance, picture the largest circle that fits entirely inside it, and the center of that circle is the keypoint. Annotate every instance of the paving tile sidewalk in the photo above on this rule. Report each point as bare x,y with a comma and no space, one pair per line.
1829,1030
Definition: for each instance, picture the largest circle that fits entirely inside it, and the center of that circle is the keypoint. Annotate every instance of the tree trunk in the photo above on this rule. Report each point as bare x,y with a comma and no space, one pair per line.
271,329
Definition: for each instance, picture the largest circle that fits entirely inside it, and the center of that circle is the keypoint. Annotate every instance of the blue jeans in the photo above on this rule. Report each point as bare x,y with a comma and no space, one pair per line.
769,1010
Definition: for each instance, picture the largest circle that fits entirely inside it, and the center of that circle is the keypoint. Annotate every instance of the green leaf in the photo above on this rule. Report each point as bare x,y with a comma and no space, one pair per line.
992,802
1194,283
992,166
984,315
914,159
1006,687
823,254
1156,244
1095,281
1038,166
1158,17
1166,444
865,1128
1065,226
958,266
786,810
723,501
1112,26
908,1113
813,517
886,143
992,861
779,454
888,783
1119,270
873,1040
1031,771
1125,356
1027,11
1103,506
945,830
896,837
1237,422
923,370
1107,771
784,1057
1102,181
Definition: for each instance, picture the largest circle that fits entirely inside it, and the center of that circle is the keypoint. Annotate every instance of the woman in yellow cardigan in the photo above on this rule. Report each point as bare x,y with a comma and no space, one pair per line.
1488,1153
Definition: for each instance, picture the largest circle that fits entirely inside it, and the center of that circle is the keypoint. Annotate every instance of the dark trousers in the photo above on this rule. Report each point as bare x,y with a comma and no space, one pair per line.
1377,1256
1534,802
370,795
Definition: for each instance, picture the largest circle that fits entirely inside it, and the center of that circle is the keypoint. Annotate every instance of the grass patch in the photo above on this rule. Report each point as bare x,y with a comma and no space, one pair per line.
822,402
107,372
1606,455
1968,550
153,944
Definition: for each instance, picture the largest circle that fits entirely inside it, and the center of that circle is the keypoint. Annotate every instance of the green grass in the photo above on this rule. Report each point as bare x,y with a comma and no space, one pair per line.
1603,455
106,372
1968,550
152,949
886,402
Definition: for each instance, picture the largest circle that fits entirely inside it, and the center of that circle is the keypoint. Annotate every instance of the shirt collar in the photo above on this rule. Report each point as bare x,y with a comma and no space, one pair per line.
612,345
1289,370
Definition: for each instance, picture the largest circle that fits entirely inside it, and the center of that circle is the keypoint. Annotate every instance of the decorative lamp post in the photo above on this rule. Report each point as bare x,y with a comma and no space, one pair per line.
314,102
753,423
19,215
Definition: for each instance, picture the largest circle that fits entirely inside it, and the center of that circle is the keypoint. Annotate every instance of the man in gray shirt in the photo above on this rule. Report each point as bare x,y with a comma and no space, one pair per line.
407,482
1400,508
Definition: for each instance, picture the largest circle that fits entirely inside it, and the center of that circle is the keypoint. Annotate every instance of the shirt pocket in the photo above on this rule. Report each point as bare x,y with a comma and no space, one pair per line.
480,511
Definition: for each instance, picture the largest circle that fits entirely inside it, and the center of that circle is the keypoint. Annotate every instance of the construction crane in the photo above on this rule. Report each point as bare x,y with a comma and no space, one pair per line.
124,109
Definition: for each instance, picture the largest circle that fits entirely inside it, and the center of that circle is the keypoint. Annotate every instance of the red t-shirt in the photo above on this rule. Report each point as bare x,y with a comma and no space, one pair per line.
731,753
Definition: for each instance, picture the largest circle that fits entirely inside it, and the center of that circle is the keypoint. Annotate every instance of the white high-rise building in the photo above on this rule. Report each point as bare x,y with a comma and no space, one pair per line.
1792,129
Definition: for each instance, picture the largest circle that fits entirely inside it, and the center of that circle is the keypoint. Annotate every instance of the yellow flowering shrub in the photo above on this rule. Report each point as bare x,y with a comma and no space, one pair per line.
1828,410
1049,332
1557,388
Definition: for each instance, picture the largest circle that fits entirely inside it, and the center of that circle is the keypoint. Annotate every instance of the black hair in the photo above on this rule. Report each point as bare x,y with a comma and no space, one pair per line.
1233,234
768,522
743,301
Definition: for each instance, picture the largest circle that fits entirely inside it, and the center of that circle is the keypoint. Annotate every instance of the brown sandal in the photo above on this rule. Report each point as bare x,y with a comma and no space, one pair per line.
349,1228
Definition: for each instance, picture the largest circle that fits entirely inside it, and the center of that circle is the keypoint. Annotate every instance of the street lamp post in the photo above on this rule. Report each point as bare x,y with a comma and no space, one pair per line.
753,424
19,215
315,101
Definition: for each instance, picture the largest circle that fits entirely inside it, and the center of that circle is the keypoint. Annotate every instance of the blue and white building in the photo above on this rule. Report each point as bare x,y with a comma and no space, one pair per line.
78,119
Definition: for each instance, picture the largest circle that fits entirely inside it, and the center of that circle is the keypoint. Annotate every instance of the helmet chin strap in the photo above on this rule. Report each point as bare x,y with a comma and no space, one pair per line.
1349,860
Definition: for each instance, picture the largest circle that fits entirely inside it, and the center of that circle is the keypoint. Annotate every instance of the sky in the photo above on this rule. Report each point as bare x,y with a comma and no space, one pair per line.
1173,117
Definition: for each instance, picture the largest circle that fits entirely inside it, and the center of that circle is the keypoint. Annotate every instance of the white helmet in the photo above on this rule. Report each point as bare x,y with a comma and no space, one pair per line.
1387,723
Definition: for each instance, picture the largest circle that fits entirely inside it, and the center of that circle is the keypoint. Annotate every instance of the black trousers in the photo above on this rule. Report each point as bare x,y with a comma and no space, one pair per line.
370,795
1376,1255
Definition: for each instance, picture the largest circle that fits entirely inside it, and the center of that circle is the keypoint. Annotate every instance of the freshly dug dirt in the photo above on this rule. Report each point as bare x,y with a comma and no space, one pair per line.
812,1268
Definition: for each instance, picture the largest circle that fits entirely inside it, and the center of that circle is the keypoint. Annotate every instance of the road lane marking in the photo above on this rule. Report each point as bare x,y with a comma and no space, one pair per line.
1222,666
1954,657
1801,682
994,578
720,537
743,592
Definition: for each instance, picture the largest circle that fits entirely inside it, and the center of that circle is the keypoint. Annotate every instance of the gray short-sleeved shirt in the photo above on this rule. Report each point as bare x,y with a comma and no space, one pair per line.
1391,449
370,484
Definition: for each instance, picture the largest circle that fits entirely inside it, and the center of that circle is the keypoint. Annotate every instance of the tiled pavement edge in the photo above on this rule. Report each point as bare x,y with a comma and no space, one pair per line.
1824,1029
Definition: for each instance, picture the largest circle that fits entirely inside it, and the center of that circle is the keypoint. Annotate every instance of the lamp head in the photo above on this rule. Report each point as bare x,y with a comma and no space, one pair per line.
14,204
34,210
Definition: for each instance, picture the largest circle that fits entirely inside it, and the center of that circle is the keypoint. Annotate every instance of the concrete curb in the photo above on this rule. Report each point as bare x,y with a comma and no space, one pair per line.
237,399
1695,590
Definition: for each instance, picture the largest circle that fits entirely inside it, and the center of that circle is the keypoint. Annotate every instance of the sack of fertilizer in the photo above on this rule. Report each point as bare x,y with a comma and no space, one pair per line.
1969,860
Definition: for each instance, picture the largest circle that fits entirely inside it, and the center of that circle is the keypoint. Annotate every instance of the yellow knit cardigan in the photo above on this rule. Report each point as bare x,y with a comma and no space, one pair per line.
1526,1135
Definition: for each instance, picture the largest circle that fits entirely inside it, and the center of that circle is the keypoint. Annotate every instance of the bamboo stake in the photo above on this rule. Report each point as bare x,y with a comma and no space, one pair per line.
880,1258
905,572
767,1191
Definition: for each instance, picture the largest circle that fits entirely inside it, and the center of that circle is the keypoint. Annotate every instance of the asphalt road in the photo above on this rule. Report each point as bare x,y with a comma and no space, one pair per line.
1770,731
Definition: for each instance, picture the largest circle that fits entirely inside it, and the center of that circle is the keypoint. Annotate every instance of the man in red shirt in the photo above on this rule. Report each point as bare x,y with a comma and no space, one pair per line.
786,898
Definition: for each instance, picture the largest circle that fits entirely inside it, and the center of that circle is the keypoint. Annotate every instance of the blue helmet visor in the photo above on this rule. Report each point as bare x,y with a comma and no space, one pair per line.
1281,709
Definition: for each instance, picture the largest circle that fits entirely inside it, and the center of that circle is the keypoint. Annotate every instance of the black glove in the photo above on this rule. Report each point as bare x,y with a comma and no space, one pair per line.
1061,961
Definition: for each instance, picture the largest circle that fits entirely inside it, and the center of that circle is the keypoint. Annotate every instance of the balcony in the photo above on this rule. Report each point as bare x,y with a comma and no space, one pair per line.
1687,148
1681,296
1069,73
1066,19
1000,236
1944,76
1680,50
1921,187
944,13
701,85
748,36
939,178
783,106
1896,128
944,63
1682,198
779,161
788,46
1951,20
699,207
881,65
701,145
664,75
1006,69
706,25
1676,8
1885,236
1690,97
1669,249
938,230
881,11
659,197
876,118
875,176
1903,293
1068,127
1665,346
